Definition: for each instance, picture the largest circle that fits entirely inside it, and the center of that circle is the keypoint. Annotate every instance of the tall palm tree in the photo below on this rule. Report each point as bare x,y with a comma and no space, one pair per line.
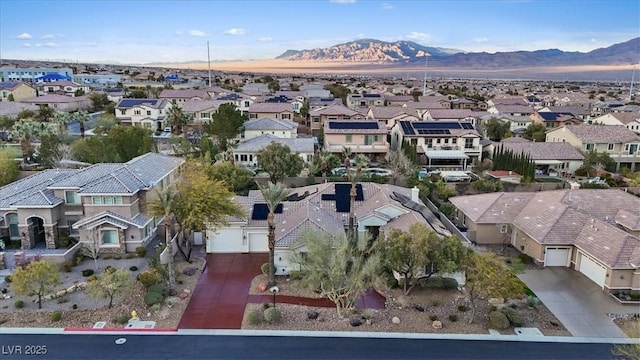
82,117
327,161
273,195
164,207
354,177
25,130
61,119
177,118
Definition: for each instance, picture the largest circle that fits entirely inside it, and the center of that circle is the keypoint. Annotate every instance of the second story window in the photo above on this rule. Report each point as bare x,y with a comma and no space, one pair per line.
468,143
148,112
348,138
610,147
137,112
71,197
123,112
589,147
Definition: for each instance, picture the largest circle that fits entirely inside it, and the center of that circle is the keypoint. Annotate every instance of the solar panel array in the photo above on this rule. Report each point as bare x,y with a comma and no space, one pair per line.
261,211
433,127
345,125
343,196
433,131
406,128
134,102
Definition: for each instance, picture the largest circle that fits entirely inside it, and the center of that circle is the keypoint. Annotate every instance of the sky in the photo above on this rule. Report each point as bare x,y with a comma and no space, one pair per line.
138,32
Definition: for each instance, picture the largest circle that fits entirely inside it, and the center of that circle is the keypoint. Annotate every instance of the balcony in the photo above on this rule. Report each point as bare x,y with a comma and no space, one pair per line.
375,148
473,149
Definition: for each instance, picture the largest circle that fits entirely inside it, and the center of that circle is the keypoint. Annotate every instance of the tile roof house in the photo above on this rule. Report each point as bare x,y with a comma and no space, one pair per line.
16,89
355,101
324,207
201,111
552,119
276,127
180,96
629,119
104,200
63,87
559,156
318,116
595,232
622,144
61,102
13,108
148,113
389,115
245,152
271,110
453,115
366,137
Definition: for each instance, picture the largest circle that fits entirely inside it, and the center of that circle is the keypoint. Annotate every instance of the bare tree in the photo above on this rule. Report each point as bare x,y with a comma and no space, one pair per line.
91,247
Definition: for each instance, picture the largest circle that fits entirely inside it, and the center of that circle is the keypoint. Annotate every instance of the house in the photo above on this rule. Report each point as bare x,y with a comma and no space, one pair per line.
356,101
201,111
397,100
276,127
63,87
594,232
325,207
581,112
320,102
366,137
240,101
560,157
465,103
517,123
319,116
180,96
17,91
30,74
13,108
97,79
61,102
629,119
447,145
511,109
453,115
271,110
245,152
148,113
552,120
104,200
622,144
389,115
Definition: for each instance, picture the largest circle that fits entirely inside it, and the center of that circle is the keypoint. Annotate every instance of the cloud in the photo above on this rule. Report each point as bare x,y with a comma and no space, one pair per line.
24,36
481,40
386,6
48,36
265,39
51,44
418,36
342,1
27,45
235,31
197,33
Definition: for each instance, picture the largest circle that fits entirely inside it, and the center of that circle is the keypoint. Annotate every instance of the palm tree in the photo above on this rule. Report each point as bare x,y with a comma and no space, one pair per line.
273,195
61,119
327,161
177,118
26,130
82,117
164,207
354,177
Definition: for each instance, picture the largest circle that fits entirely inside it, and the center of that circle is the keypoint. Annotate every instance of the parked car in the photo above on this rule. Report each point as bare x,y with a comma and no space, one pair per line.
378,171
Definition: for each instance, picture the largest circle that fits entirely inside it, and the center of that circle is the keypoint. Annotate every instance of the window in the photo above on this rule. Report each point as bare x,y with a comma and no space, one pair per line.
468,143
123,111
429,143
71,230
107,200
243,157
589,147
148,112
137,112
454,140
503,229
71,197
109,237
348,138
14,232
96,200
376,138
610,147
205,115
117,200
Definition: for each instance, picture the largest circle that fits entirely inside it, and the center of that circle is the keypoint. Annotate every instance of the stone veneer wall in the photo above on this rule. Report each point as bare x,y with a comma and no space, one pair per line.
2,262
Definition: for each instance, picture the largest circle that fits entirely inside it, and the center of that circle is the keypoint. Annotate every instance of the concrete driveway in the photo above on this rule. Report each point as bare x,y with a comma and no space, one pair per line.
576,301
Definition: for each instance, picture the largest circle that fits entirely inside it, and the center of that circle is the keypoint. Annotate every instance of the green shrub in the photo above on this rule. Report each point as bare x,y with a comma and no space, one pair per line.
122,319
449,284
109,269
152,298
453,317
133,268
19,304
265,269
462,308
67,266
526,259
8,279
93,277
514,318
87,272
296,274
56,316
433,317
254,317
79,258
441,283
141,251
498,320
532,301
492,308
272,315
159,288
129,256
148,278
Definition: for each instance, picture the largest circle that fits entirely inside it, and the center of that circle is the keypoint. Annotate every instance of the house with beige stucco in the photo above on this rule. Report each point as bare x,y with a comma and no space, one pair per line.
108,201
17,91
593,231
366,137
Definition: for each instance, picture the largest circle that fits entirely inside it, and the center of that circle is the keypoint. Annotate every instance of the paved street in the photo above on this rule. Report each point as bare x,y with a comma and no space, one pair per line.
576,301
173,346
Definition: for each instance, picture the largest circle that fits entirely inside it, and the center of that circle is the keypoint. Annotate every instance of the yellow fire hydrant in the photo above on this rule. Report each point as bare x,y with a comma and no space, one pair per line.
134,315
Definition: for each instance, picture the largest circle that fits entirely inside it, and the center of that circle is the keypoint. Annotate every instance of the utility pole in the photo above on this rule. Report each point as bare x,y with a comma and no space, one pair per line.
424,83
633,75
209,62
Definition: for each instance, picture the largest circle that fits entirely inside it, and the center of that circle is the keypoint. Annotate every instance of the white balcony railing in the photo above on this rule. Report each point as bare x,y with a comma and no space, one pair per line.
377,148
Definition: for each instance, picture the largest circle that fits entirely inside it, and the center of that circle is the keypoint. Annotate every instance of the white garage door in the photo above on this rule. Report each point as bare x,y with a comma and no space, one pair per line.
557,256
592,269
258,243
224,241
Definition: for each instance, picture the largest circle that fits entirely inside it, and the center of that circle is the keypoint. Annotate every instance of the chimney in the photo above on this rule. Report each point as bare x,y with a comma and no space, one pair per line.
415,194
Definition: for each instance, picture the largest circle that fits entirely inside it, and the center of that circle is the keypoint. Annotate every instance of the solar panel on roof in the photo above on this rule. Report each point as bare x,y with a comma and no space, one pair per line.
407,128
467,126
134,102
436,125
353,125
433,131
261,211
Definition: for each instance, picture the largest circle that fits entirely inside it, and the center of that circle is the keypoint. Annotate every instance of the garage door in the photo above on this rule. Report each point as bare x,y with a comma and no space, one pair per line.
224,241
592,269
557,256
258,243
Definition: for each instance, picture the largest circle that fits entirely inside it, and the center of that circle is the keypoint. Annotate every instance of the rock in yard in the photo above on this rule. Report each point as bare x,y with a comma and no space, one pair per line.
61,293
437,324
186,291
496,301
183,295
262,287
189,271
354,321
395,320
313,315
419,308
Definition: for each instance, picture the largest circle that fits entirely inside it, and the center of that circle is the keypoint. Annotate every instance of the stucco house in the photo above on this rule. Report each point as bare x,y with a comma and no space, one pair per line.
629,119
595,232
622,144
61,102
558,156
148,113
389,115
366,137
245,152
63,87
276,127
356,101
319,116
104,200
325,207
16,89
180,96
552,120
271,110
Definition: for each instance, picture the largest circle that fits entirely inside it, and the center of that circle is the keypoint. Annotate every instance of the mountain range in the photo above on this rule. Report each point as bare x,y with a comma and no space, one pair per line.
409,52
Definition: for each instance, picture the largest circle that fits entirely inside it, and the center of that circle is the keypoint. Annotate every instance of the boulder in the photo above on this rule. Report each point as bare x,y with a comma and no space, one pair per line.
437,324
189,271
496,301
395,320
81,285
187,291
183,295
355,321
262,287
71,289
313,315
61,293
